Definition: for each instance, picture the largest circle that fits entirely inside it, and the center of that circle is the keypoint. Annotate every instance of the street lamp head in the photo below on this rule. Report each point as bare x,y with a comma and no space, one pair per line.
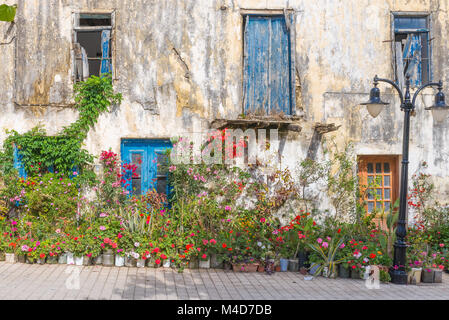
374,104
440,108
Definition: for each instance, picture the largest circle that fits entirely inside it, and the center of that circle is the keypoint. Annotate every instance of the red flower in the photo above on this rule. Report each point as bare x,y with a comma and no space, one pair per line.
224,245
163,256
158,261
372,255
42,255
339,230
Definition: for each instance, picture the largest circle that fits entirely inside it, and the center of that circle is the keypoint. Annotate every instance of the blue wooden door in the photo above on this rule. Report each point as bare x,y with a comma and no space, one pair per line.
148,156
268,65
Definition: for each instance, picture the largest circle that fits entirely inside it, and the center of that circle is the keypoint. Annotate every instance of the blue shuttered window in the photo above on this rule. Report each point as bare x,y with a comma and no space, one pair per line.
149,158
268,64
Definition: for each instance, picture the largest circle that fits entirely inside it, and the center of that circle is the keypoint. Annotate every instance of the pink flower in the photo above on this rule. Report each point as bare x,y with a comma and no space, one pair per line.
213,241
204,256
119,235
228,208
342,246
319,240
102,228
325,245
205,241
441,245
262,220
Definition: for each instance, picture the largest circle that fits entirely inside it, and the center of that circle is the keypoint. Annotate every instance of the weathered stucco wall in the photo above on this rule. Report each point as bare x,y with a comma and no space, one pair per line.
179,66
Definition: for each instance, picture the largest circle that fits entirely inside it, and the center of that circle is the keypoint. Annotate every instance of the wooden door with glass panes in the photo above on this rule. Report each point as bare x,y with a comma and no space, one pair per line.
379,182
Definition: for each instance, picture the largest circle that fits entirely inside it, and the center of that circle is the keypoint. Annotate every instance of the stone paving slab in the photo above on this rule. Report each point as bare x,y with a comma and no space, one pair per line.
51,282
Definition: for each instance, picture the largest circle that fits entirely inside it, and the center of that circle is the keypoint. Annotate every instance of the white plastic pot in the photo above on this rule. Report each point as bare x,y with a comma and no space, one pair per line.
119,261
70,259
140,263
10,258
79,261
204,264
166,263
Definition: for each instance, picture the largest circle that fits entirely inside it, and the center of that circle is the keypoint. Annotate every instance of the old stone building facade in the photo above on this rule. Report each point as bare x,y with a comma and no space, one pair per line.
188,65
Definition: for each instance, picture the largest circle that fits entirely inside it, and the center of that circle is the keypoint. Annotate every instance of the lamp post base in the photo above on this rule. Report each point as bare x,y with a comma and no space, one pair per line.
398,276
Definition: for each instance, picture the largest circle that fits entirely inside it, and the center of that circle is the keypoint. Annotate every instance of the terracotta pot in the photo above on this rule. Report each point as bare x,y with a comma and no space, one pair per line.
261,268
245,267
277,268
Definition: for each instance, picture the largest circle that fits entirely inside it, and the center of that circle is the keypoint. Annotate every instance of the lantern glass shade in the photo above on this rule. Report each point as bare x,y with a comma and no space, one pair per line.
439,109
374,109
375,104
439,114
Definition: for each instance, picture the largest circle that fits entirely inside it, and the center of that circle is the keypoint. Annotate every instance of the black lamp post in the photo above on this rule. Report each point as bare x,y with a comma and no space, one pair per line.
439,110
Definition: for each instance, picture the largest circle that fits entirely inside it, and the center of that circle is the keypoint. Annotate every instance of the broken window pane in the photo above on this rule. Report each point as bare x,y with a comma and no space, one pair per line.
87,19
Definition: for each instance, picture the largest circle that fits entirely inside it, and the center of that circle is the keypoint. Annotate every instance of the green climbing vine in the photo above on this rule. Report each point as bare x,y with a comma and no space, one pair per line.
63,152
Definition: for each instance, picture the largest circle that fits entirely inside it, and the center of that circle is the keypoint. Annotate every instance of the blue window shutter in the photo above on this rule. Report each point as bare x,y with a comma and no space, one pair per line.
106,66
268,63
18,163
147,151
412,58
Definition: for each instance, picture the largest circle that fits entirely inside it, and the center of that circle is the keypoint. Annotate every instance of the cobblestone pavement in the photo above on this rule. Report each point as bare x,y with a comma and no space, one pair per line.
26,281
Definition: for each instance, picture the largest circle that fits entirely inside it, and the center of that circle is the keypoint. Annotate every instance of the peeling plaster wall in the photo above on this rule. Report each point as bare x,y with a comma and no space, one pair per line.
179,65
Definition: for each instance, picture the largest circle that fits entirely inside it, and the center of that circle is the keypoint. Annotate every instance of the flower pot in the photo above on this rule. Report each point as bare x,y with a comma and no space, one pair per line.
79,261
204,264
355,274
365,274
313,270
227,266
10,258
277,268
414,276
437,276
22,258
98,260
40,261
2,256
140,263
215,262
52,259
303,259
261,268
427,275
62,259
119,261
245,267
166,263
30,260
193,263
344,272
108,259
293,265
130,262
70,258
87,261
284,264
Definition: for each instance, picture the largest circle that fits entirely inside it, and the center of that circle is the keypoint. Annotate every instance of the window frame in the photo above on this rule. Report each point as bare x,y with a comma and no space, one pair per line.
77,28
362,173
412,14
292,34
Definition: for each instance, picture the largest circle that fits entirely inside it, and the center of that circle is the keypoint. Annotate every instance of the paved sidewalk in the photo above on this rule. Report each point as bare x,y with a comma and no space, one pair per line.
25,281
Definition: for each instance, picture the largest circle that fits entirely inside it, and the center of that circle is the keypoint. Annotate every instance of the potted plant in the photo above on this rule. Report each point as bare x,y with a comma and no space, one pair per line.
119,258
204,261
324,252
10,256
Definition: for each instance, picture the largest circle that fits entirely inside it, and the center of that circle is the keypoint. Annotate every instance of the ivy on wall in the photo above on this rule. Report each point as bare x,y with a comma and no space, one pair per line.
8,13
63,152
